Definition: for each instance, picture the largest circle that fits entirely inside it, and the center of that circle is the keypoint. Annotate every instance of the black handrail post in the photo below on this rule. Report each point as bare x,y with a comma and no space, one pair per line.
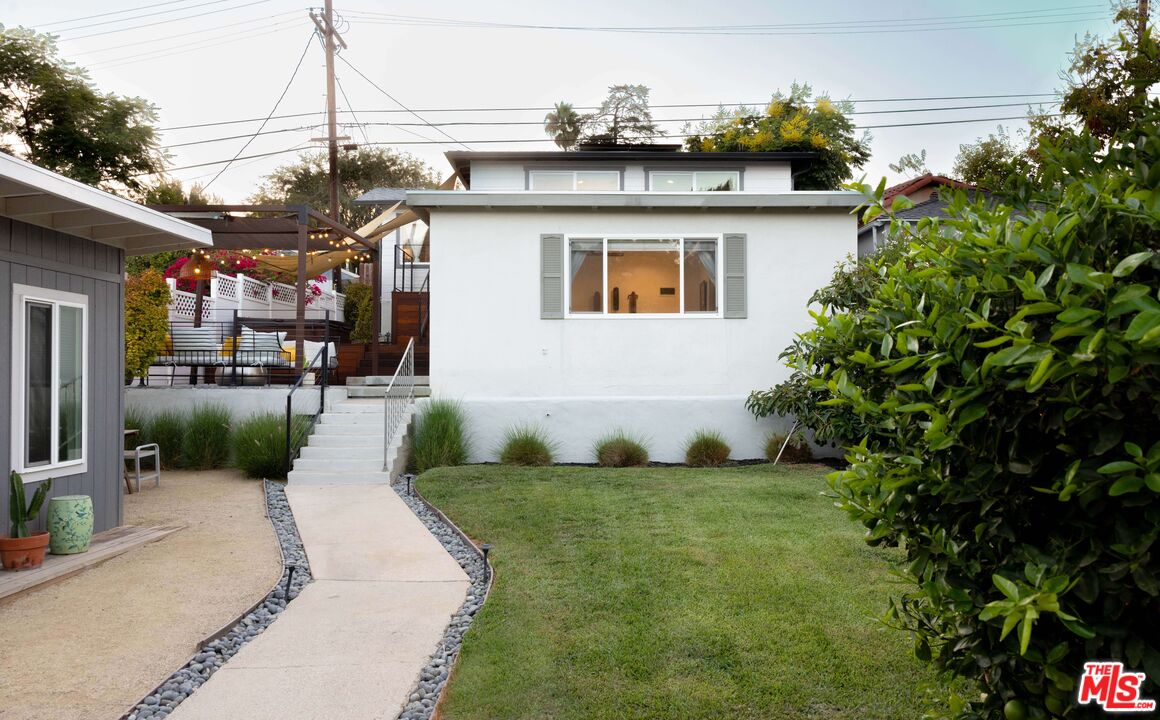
289,423
235,340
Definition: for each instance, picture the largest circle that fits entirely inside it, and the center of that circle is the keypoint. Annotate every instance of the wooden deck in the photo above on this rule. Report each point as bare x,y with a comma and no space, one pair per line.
105,546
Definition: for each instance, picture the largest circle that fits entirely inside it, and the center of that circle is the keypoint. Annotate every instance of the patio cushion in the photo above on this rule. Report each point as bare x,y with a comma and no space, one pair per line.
202,339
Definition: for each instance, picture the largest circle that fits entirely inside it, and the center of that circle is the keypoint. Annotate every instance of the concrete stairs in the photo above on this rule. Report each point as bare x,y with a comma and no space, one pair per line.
346,447
375,386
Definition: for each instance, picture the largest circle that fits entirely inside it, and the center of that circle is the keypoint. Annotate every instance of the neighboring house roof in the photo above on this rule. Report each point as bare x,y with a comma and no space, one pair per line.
36,196
427,199
934,207
382,196
922,182
461,160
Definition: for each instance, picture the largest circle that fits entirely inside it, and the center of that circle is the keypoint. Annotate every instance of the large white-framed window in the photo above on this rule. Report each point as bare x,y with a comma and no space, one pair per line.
50,350
694,181
574,180
643,276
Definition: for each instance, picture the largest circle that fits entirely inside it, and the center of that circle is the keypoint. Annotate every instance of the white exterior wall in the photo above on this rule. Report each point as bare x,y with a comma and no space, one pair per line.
663,378
497,176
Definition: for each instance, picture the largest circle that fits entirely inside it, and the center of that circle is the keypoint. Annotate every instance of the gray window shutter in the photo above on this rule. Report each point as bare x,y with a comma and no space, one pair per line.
735,292
551,276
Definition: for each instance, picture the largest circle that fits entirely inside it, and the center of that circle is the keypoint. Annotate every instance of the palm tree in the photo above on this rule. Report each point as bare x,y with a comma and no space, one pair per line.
563,125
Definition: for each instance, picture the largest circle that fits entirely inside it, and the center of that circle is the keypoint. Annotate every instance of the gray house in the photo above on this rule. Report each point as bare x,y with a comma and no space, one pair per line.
62,252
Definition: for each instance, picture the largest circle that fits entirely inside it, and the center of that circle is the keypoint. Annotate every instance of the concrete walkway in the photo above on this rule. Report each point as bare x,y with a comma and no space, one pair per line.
353,643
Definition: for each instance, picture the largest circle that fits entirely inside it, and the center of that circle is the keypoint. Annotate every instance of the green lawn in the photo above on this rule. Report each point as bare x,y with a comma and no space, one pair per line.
673,593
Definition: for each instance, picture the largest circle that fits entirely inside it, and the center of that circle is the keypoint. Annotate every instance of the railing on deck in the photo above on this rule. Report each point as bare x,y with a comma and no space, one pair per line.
397,402
252,298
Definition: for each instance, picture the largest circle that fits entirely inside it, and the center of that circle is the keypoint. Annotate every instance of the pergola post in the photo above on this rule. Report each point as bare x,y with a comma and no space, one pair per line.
300,306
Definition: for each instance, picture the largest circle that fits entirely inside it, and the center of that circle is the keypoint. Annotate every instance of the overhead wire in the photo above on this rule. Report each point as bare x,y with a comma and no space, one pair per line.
394,100
114,12
194,46
167,21
286,89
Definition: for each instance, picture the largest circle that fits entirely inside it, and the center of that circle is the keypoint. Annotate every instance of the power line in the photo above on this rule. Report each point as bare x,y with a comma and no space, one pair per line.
678,105
215,30
501,123
964,22
192,47
348,104
272,111
112,12
391,97
170,20
144,15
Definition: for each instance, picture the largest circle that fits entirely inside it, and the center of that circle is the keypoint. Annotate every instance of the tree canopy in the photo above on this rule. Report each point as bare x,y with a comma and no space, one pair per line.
563,125
623,118
307,180
792,121
53,116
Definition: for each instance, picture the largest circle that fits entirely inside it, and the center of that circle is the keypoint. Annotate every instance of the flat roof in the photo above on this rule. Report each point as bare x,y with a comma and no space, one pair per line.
537,200
461,159
36,196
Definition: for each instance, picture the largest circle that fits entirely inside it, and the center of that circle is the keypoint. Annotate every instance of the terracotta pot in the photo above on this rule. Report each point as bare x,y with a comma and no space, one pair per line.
23,553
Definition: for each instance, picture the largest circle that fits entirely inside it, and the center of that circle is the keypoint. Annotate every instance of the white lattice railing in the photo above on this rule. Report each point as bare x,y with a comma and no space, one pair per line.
283,294
182,304
252,298
254,290
225,288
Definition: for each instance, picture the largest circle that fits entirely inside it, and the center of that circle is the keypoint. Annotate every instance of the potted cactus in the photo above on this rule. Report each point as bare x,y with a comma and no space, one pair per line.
23,549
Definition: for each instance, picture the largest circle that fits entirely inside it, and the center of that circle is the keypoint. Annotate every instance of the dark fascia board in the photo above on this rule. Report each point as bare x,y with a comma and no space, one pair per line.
461,159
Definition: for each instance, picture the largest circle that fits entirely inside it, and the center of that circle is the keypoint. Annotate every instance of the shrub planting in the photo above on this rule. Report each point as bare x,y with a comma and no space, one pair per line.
167,428
206,444
619,449
259,444
1006,383
707,448
797,451
527,445
440,437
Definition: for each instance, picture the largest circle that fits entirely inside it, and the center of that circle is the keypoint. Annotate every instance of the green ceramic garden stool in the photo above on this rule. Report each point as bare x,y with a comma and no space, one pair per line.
70,524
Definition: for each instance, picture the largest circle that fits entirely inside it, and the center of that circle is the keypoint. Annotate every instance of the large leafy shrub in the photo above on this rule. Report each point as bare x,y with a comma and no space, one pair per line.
440,437
146,321
1006,371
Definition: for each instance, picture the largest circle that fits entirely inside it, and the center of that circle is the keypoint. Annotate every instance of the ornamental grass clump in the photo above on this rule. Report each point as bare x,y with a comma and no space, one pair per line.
619,449
707,448
440,437
167,429
206,444
527,445
797,450
259,444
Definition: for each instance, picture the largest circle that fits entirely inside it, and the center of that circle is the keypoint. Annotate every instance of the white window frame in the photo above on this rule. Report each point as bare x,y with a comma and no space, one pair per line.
21,296
574,174
719,239
694,173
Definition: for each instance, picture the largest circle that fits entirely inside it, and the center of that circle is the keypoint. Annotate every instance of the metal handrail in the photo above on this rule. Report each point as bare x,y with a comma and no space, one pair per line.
323,354
399,396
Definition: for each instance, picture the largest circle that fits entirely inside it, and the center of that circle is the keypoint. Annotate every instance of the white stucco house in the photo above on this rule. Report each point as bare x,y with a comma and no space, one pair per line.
640,288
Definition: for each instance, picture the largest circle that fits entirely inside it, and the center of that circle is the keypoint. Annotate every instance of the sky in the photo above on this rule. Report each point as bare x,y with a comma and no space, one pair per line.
215,61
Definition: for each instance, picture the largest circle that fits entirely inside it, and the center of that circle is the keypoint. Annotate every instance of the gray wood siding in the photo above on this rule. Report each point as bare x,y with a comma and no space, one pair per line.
31,255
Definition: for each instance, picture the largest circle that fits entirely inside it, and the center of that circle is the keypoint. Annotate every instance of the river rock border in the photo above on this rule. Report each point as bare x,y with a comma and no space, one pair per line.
224,644
426,694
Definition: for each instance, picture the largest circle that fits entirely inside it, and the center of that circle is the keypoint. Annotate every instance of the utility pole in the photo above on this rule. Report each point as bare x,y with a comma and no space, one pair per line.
325,25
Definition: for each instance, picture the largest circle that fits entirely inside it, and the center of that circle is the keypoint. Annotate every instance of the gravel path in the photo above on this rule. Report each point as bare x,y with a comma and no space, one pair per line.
295,575
433,678
92,645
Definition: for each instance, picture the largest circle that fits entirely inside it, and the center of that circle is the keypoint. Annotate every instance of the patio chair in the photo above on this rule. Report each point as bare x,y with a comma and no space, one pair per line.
151,450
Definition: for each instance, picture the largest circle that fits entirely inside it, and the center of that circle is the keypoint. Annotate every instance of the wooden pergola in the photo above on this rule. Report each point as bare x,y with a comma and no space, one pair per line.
285,227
